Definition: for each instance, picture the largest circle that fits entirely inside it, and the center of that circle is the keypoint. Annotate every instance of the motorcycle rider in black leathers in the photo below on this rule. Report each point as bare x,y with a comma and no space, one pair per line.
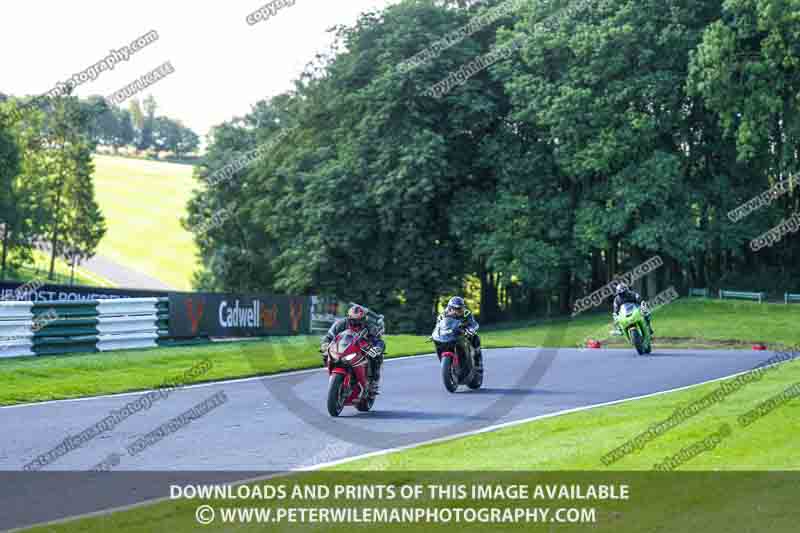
356,320
626,295
456,307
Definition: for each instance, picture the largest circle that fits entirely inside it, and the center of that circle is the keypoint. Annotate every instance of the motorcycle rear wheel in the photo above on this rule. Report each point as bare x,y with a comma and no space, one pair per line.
365,404
336,395
476,381
477,378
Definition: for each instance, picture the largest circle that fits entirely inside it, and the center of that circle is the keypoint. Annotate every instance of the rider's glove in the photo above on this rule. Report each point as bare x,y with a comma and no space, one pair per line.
324,349
374,352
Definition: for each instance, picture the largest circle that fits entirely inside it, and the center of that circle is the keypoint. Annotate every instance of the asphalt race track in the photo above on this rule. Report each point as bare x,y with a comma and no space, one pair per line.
280,422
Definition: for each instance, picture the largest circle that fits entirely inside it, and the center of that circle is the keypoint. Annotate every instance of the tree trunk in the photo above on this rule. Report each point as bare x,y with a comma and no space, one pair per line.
6,233
57,214
488,295
54,239
652,284
597,276
613,244
565,293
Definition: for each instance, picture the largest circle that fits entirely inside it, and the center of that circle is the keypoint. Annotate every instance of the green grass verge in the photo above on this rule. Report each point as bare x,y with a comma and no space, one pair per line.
71,376
143,202
688,322
62,273
579,441
27,379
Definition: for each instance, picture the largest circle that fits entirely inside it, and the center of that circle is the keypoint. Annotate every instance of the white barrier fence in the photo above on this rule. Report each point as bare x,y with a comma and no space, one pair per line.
47,328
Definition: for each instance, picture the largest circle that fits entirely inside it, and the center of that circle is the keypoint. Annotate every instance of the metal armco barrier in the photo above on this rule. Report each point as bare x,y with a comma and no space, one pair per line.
42,327
789,297
760,296
16,333
703,293
49,328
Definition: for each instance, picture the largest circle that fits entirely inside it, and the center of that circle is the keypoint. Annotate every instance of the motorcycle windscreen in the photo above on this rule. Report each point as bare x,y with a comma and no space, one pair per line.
628,309
345,341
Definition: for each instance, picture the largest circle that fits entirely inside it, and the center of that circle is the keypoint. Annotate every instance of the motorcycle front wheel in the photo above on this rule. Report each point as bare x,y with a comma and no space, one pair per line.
636,339
336,395
448,374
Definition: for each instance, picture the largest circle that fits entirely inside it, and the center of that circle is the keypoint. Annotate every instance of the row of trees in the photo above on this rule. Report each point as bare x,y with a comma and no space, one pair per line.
620,130
46,171
140,127
46,183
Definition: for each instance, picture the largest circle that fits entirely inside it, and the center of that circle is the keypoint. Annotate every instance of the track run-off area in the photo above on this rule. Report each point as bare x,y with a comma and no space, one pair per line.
280,422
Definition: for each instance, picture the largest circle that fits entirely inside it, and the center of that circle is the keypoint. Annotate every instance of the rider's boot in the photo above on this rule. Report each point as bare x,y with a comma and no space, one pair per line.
650,326
375,378
478,359
476,346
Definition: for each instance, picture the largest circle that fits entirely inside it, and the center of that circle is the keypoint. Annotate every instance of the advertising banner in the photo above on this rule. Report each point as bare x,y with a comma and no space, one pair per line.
38,292
236,315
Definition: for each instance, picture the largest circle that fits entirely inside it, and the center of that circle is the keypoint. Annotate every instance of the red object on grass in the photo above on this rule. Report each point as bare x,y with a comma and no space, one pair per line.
593,344
759,347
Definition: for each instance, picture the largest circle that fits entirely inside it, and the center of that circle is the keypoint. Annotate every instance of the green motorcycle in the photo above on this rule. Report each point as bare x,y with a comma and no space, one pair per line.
632,323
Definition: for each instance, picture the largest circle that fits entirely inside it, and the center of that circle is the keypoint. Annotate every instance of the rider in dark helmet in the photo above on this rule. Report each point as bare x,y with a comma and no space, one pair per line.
356,320
457,308
625,295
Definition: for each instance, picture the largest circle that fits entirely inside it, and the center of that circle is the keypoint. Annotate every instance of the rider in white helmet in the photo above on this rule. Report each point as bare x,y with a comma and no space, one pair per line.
456,307
625,295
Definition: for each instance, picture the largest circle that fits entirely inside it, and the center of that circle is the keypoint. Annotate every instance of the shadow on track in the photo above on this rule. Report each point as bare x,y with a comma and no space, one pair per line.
666,353
511,392
415,415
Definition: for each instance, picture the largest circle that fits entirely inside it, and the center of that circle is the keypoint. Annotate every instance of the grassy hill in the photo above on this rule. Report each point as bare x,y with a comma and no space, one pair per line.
143,202
41,267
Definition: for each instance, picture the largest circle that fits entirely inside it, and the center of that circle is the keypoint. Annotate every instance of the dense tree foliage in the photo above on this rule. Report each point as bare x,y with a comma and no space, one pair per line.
116,127
620,130
46,180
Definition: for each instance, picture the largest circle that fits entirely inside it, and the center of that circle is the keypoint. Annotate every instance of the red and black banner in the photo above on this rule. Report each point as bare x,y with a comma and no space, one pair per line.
236,315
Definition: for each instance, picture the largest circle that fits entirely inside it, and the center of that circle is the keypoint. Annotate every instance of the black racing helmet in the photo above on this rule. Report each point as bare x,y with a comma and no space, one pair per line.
456,306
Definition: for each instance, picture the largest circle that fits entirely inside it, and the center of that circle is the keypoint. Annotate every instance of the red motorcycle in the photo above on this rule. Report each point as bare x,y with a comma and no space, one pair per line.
347,366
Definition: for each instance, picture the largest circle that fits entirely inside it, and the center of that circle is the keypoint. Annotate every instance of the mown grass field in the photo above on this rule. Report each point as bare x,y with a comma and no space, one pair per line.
62,274
143,202
693,322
